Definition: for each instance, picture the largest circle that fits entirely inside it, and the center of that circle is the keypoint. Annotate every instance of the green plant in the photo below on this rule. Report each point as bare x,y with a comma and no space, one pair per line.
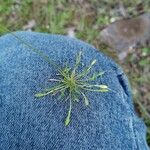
48,14
72,85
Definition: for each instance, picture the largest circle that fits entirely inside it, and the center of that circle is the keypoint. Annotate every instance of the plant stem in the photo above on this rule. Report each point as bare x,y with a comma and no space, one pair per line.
37,51
67,121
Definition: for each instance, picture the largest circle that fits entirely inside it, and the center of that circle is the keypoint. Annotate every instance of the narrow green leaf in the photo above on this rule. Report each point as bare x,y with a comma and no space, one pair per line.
86,101
87,70
96,75
102,86
62,93
103,90
78,59
38,95
67,121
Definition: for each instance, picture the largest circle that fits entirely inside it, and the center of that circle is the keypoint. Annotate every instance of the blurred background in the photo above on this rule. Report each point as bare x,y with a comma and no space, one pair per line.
121,29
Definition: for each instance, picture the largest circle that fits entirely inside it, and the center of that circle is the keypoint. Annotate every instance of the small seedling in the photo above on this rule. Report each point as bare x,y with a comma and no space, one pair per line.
71,85
74,85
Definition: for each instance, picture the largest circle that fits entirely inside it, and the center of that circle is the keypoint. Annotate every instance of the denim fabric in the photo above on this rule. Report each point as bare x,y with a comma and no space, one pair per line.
28,123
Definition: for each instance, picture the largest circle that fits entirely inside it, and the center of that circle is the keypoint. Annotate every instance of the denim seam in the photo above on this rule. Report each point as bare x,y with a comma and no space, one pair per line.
122,81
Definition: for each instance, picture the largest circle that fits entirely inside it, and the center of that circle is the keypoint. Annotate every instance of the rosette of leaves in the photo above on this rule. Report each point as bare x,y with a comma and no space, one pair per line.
72,85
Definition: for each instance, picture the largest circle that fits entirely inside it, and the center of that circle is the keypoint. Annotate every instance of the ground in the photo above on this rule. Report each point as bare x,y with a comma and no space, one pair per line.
85,19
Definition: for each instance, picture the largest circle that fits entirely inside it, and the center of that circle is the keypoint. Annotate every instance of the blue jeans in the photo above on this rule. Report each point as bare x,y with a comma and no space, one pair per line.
27,123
